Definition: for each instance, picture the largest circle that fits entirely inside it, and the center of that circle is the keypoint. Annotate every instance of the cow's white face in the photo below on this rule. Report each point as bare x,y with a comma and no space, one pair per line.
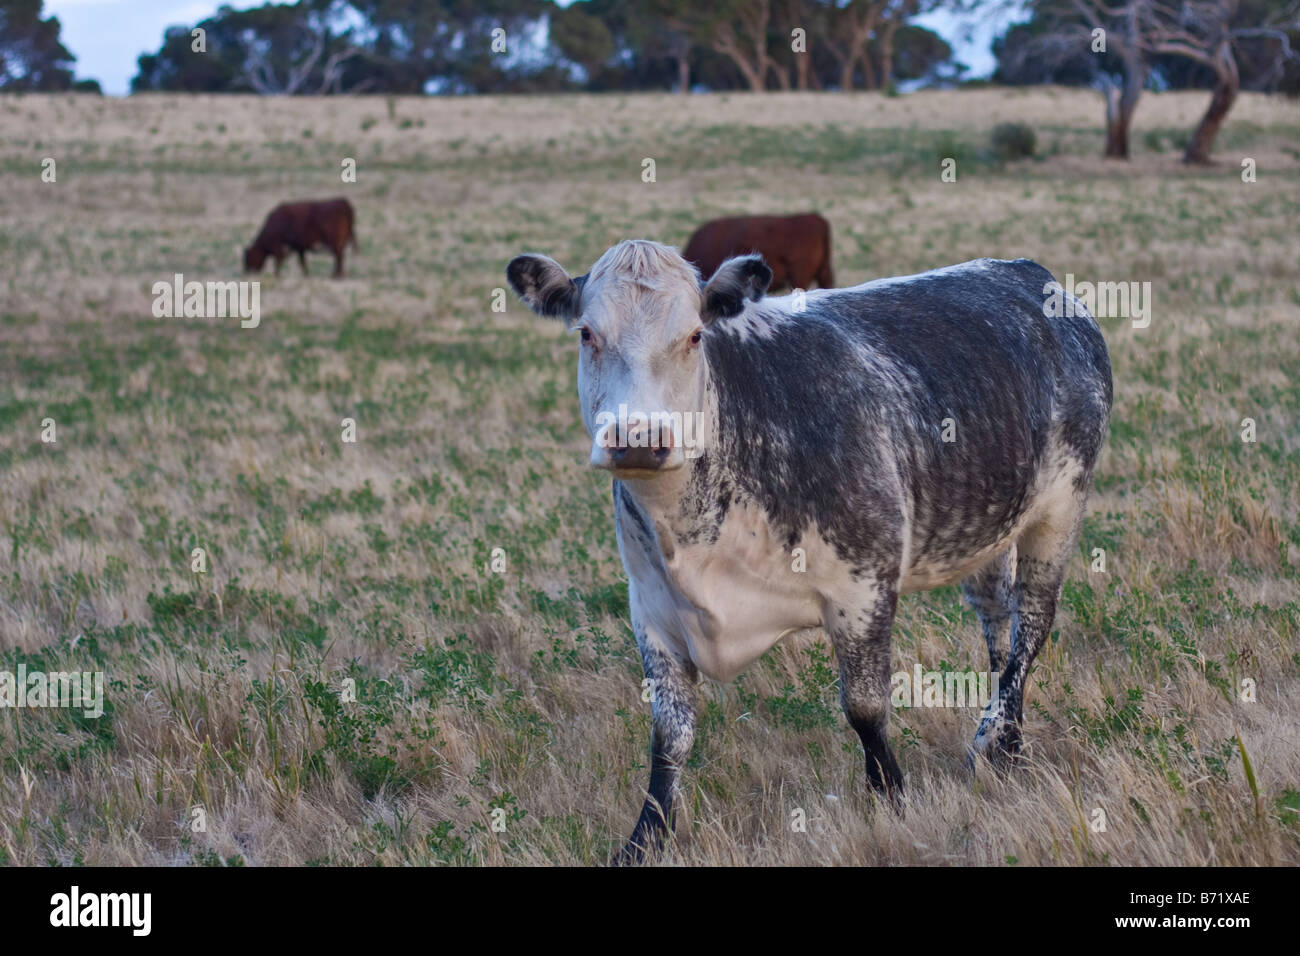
641,318
641,375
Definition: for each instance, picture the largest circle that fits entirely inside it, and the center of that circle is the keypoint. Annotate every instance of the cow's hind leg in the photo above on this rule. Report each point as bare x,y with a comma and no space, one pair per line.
861,637
990,591
1042,553
672,703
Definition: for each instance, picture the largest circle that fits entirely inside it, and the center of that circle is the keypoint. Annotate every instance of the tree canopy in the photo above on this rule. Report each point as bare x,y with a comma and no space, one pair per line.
462,46
32,56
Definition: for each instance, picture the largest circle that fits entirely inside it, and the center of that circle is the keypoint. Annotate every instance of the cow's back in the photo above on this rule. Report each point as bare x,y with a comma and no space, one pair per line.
978,336
795,247
947,391
304,225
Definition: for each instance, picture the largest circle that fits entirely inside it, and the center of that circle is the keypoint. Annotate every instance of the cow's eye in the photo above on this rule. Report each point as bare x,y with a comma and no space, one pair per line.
695,339
586,334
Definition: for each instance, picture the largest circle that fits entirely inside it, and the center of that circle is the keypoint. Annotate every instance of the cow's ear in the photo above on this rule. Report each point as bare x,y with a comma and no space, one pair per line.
545,287
737,281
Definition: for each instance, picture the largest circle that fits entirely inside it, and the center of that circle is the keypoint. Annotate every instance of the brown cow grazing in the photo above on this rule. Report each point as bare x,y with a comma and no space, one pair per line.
302,226
796,248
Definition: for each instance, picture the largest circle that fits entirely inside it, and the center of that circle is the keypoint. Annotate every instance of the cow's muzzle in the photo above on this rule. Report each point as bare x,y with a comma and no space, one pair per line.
636,452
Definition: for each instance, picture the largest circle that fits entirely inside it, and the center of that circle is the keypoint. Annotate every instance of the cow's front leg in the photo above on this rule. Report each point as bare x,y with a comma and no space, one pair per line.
860,633
672,702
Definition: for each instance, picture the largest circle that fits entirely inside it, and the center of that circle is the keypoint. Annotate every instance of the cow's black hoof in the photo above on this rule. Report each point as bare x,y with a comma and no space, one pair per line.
999,742
628,856
634,853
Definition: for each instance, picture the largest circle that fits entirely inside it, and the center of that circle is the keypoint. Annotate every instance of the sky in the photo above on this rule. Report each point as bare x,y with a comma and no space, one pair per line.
107,36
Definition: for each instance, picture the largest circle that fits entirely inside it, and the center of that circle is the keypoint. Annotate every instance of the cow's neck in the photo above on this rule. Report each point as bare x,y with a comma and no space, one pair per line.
662,497
688,504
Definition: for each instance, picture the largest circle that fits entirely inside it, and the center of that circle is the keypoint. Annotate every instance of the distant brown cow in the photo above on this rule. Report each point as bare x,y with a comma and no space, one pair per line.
796,248
302,226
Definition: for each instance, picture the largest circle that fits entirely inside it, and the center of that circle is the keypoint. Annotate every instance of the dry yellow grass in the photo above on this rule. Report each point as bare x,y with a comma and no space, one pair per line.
520,691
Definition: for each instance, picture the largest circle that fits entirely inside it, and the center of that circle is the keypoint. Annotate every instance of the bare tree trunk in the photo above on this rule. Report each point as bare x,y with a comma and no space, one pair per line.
730,45
681,51
846,73
1116,127
782,77
796,14
868,72
1121,103
887,53
852,26
751,74
1227,85
844,57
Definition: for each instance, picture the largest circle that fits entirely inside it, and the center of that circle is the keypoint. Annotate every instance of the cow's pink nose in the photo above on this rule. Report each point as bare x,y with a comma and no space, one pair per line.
643,448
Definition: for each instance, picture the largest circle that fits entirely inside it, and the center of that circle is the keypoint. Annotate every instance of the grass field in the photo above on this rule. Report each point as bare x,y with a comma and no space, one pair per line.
514,698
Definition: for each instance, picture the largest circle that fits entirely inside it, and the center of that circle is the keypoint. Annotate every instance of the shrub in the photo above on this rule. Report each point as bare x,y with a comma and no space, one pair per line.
1013,141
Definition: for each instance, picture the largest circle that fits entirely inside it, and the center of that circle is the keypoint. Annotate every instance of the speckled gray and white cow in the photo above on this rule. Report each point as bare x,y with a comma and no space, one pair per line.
905,434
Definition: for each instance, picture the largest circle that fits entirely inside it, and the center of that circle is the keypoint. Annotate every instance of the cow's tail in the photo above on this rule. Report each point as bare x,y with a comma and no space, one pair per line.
352,239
